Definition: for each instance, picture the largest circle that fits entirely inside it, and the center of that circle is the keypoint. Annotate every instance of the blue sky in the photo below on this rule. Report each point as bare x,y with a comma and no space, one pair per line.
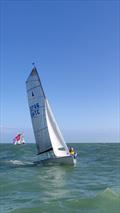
75,46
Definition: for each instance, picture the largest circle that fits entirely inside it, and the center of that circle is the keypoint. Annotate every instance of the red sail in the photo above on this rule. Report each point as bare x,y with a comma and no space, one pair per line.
17,137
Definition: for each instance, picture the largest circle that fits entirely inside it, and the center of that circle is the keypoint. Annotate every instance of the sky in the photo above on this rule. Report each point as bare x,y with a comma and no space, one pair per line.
75,47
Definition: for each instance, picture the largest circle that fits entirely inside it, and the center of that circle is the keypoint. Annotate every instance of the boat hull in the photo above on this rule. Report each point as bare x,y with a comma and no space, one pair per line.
68,160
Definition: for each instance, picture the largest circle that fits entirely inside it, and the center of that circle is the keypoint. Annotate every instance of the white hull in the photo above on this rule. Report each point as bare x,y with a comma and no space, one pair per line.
68,160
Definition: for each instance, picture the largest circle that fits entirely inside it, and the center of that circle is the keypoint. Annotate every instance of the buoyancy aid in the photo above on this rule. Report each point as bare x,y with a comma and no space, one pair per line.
72,152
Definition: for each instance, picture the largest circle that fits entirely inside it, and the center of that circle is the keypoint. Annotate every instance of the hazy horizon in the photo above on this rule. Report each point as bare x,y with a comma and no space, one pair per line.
70,136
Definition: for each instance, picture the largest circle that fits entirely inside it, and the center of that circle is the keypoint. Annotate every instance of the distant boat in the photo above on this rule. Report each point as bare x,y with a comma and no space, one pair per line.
50,144
19,139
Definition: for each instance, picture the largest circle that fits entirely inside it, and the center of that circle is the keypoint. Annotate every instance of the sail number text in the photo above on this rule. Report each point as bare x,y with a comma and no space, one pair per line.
34,110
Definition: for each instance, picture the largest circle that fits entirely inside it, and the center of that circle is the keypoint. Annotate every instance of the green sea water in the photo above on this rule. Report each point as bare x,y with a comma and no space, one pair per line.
92,186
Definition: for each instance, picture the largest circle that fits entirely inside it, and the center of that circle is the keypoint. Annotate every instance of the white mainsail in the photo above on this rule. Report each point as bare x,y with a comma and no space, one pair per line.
47,134
22,139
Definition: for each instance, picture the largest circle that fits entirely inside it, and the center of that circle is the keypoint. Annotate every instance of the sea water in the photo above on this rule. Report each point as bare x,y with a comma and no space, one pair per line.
92,186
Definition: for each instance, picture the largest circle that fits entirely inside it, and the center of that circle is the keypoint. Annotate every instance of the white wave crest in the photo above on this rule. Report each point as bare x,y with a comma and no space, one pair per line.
16,162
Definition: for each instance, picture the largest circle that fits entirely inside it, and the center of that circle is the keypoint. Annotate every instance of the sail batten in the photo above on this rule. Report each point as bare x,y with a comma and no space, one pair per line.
32,88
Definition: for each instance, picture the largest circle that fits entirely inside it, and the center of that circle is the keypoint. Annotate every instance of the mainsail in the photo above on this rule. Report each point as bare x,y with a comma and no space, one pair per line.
36,100
47,134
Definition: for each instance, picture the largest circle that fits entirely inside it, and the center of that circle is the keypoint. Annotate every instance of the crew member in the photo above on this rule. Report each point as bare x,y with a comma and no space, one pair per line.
72,152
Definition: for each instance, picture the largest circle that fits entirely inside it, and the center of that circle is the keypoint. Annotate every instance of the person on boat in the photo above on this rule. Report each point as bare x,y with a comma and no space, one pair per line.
72,152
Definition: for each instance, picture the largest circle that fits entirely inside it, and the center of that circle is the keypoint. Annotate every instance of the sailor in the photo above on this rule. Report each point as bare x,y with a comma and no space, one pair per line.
72,152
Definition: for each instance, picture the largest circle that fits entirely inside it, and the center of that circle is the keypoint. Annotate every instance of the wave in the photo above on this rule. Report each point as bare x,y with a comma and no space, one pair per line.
15,163
107,201
108,193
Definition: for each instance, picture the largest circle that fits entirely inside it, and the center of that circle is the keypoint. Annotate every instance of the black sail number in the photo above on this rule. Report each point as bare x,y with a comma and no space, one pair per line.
34,110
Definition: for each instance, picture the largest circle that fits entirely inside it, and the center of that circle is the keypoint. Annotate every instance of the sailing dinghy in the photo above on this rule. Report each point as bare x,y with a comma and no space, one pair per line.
50,143
19,139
